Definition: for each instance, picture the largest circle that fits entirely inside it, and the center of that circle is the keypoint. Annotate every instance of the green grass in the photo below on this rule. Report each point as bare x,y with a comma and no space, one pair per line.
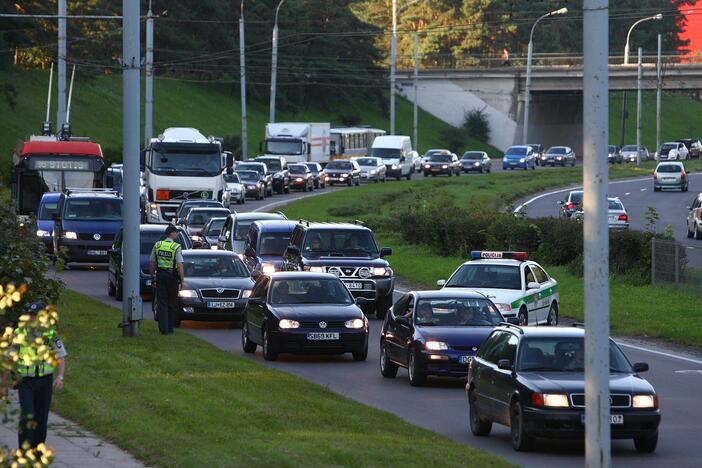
179,401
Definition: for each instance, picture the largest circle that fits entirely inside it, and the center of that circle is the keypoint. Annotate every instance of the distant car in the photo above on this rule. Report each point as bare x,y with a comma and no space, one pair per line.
262,169
265,245
45,219
430,152
187,205
629,154
693,145
196,220
236,228
519,157
343,172
278,170
435,333
694,218
538,152
317,174
235,191
614,154
476,161
571,204
304,312
416,162
672,151
211,231
532,379
301,177
559,156
254,184
439,164
617,216
670,175
216,287
372,169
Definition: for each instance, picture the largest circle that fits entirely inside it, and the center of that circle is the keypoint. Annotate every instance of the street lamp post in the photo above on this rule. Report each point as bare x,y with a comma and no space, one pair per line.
274,64
242,76
393,59
527,94
149,75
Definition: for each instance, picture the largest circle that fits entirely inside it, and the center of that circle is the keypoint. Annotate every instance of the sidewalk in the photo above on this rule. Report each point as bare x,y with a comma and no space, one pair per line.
73,446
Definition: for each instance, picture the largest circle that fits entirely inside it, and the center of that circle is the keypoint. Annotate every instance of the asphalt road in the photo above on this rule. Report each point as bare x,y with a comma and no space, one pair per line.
441,405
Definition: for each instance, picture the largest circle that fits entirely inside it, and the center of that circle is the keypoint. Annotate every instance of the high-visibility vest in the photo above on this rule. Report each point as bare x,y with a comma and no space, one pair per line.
36,369
165,252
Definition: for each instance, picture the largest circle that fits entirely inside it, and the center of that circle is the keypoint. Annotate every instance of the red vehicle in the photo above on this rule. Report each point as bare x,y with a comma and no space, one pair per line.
301,177
47,164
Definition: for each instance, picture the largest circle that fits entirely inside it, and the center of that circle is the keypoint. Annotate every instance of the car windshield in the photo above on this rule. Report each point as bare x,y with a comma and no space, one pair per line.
96,209
189,205
385,153
242,229
273,243
440,158
297,169
200,216
313,167
556,150
214,266
258,167
472,155
310,291
283,147
566,354
667,147
616,205
516,152
273,165
340,243
186,163
47,210
249,176
612,149
576,197
232,178
215,227
629,148
670,168
340,166
367,162
456,312
485,275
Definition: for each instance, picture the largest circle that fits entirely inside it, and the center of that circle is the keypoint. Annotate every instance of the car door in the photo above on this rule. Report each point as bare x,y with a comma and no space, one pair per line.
256,309
502,384
250,259
530,295
114,258
393,336
547,291
693,214
487,371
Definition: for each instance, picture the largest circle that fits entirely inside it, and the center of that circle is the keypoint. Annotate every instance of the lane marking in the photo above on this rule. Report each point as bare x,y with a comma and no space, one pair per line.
688,371
627,194
643,189
660,353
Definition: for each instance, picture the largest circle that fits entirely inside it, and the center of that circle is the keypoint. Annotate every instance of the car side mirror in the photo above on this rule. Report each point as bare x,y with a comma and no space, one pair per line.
641,367
292,251
504,364
441,283
402,320
385,252
533,285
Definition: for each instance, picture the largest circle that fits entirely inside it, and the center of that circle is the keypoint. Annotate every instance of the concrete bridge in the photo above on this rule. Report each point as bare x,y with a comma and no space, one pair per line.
556,97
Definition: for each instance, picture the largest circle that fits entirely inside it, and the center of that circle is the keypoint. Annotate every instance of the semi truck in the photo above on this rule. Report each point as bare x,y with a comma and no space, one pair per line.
181,164
298,141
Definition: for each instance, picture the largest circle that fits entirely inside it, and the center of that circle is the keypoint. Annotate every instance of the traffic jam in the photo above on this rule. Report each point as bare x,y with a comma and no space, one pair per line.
311,287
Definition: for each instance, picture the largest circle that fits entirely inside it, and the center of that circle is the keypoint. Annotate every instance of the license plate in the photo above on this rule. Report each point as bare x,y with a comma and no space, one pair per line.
354,285
96,252
612,219
436,170
464,359
148,282
669,179
322,336
614,419
221,305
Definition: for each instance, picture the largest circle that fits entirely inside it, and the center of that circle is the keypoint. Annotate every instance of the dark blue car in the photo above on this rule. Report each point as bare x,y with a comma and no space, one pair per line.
45,218
85,225
435,333
519,157
265,245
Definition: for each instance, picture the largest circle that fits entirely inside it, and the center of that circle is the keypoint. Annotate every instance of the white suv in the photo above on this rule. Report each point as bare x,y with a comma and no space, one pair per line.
694,223
672,151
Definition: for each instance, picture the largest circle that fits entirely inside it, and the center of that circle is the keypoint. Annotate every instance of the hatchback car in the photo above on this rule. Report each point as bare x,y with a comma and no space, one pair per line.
559,156
629,154
617,216
694,218
372,169
235,191
571,205
614,154
532,380
670,175
477,161
301,177
196,220
672,151
304,313
317,174
435,333
342,172
519,157
442,164
265,245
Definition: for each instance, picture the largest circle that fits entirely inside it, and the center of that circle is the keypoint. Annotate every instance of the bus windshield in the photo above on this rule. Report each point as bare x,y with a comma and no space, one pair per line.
186,164
274,146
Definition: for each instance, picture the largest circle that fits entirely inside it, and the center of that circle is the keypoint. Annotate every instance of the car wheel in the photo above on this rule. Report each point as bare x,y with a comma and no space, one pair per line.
417,378
350,182
690,235
521,442
426,174
358,182
118,290
243,200
409,176
269,352
111,290
176,323
479,427
552,319
388,369
247,345
361,355
305,189
523,317
458,173
489,170
697,233
656,189
646,444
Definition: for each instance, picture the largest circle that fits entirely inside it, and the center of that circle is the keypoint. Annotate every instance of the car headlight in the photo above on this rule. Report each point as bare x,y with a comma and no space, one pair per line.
354,323
505,159
382,271
521,160
42,233
559,157
444,166
187,293
286,324
373,172
476,164
267,268
394,167
550,400
426,166
644,401
436,346
214,247
70,235
298,179
246,293
314,269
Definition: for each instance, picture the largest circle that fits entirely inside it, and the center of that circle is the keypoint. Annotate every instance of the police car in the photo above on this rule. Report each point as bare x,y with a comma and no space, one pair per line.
522,290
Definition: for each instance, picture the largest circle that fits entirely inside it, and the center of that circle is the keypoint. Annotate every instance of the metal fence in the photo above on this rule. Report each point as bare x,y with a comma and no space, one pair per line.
675,263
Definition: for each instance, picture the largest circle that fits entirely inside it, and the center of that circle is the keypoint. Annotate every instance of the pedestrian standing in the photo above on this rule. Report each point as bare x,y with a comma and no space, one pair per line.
505,57
166,267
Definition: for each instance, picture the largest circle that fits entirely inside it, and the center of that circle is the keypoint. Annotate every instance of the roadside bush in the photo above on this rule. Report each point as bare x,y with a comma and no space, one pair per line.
476,125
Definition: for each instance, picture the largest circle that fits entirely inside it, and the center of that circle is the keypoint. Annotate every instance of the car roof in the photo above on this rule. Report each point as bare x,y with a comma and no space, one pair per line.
50,196
497,261
544,332
276,225
208,252
105,195
255,215
329,226
301,275
208,209
448,293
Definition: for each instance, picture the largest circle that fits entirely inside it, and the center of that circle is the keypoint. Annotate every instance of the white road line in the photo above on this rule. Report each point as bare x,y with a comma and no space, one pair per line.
660,353
627,194
643,189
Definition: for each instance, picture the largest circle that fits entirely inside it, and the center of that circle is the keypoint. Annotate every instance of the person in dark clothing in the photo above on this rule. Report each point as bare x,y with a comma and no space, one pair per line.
166,267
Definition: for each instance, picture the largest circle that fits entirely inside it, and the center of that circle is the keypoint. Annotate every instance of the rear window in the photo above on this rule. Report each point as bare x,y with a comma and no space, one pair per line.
576,197
669,168
615,205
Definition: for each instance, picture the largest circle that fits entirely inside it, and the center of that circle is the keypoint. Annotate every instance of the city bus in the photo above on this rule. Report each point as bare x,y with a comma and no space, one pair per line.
352,142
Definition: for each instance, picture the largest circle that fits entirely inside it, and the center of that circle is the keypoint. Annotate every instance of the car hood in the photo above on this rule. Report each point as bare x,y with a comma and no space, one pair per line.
217,282
437,163
498,296
104,227
276,260
317,312
45,225
456,336
391,161
347,261
515,156
574,382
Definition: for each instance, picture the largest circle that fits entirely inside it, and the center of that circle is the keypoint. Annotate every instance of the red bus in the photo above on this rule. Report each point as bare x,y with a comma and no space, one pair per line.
45,164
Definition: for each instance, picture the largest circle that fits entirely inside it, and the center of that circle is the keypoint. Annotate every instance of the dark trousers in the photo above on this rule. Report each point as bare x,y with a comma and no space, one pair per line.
167,299
35,400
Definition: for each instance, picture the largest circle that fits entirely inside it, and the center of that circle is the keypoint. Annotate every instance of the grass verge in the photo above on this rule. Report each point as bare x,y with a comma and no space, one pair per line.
179,401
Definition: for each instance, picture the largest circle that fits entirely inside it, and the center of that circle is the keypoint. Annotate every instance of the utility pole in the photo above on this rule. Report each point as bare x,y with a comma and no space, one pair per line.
242,77
596,232
61,104
131,61
274,64
415,115
639,78
149,87
659,85
393,56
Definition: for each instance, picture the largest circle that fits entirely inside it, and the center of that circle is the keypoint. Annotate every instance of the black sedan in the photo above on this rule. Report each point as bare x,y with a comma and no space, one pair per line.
217,285
304,313
254,184
532,379
435,333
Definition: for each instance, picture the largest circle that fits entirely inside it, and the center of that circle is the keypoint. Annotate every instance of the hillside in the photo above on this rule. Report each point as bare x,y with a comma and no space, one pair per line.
215,109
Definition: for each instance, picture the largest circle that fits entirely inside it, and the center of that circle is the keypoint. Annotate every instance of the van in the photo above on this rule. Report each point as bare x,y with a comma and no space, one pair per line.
397,154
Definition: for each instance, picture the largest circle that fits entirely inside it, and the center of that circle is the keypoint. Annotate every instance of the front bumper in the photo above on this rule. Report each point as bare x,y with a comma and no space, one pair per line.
471,167
376,290
296,184
338,180
514,164
567,423
85,251
296,342
197,309
252,192
437,170
445,363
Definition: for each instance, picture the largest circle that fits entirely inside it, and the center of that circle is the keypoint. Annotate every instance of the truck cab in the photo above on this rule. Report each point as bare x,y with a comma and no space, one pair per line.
397,154
298,141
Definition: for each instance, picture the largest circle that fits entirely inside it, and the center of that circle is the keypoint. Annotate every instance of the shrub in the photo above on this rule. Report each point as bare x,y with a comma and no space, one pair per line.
476,125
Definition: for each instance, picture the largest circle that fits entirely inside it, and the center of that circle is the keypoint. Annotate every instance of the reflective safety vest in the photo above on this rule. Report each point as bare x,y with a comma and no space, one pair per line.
37,369
165,252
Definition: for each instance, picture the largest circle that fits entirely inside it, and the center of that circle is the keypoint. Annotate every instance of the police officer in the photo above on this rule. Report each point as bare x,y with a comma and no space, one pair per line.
166,266
37,381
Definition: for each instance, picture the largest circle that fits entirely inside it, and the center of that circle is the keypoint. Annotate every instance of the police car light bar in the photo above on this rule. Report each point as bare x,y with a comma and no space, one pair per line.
486,254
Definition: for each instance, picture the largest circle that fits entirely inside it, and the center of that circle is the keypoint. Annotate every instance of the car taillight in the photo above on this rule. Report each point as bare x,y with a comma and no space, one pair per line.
570,205
683,176
623,217
163,194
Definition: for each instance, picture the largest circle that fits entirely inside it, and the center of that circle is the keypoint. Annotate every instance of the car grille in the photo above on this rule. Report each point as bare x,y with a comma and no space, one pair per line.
89,236
220,293
330,324
349,272
466,348
577,400
190,195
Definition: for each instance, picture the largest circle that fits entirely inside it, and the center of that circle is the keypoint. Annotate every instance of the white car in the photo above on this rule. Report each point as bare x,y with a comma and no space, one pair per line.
672,151
670,175
617,216
522,290
234,190
629,153
372,169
